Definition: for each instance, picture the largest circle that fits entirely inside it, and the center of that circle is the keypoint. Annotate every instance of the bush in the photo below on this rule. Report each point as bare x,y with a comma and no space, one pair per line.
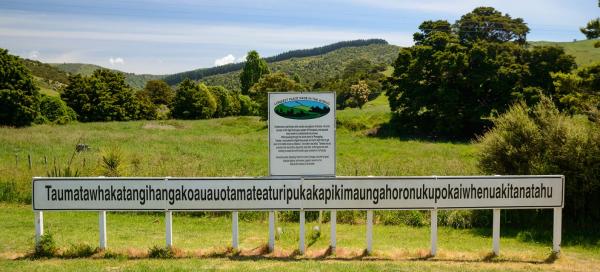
350,217
193,101
294,216
409,218
17,108
80,251
112,163
46,248
56,111
157,252
544,141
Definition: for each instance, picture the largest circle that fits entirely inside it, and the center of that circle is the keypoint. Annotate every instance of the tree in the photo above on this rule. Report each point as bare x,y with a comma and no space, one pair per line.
103,96
429,27
579,91
450,83
19,97
486,23
159,92
275,82
592,29
193,101
544,60
253,70
359,94
354,72
228,102
147,109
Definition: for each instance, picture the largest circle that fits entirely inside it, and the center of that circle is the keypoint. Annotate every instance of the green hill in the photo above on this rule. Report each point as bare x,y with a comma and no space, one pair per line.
584,51
316,68
47,77
201,73
137,81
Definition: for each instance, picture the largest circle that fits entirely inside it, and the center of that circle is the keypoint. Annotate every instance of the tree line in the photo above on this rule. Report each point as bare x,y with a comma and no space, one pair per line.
205,72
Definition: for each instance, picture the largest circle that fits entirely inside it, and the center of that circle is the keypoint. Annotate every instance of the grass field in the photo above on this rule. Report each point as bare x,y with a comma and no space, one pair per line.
203,242
237,146
583,51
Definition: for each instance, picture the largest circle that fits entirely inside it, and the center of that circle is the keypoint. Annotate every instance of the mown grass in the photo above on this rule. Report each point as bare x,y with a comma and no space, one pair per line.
202,243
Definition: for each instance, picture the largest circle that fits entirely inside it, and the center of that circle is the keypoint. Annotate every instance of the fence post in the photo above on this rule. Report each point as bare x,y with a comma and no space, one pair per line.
333,222
169,228
39,226
102,227
234,230
433,232
496,232
271,231
302,232
29,160
369,231
556,230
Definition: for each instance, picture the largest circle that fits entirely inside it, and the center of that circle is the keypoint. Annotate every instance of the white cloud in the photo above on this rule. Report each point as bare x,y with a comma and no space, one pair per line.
241,59
225,60
114,61
33,55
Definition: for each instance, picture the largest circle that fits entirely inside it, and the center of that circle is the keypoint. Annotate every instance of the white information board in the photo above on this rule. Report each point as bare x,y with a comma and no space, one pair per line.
351,193
302,134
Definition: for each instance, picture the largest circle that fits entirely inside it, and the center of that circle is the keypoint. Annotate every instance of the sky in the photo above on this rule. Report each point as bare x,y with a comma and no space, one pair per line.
169,36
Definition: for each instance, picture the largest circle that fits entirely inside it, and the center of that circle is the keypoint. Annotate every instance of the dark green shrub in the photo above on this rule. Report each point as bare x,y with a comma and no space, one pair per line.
56,111
544,141
80,250
351,217
157,252
46,248
114,255
19,97
294,216
410,218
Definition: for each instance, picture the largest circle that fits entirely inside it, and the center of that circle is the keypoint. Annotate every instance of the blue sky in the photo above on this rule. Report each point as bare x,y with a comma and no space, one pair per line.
171,36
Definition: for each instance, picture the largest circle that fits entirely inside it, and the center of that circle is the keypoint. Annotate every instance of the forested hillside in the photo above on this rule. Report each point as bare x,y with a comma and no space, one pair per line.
206,72
134,80
317,68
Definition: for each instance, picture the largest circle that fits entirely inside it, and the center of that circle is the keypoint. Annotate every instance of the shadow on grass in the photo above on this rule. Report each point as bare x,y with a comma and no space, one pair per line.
543,235
391,130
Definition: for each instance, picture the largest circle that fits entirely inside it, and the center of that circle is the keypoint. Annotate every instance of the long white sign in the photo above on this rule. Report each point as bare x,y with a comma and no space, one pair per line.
302,134
352,193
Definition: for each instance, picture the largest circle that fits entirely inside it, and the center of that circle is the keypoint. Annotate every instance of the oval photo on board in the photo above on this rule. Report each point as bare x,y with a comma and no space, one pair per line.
302,109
